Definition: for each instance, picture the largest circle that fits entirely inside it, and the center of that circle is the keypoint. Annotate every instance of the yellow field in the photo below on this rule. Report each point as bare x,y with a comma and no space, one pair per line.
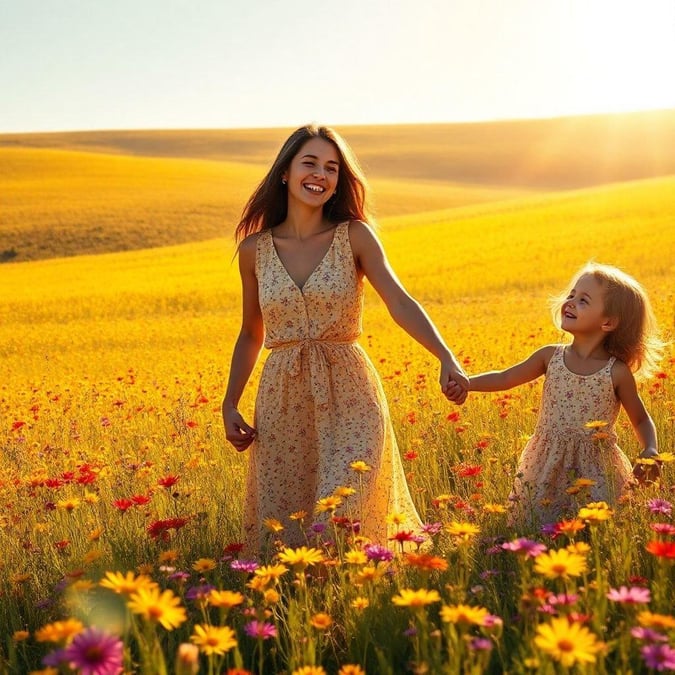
118,361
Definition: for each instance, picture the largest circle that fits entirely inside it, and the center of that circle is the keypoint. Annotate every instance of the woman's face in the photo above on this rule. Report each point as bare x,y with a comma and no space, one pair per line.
312,176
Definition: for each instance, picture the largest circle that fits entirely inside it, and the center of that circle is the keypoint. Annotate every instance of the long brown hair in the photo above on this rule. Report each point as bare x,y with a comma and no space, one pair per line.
635,340
268,204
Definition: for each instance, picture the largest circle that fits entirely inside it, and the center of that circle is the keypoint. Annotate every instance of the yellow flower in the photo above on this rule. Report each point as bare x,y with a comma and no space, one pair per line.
464,614
309,670
91,497
595,512
327,504
584,482
95,535
344,492
214,639
464,531
494,508
595,424
271,572
82,585
125,584
20,577
225,599
92,555
271,597
367,575
356,558
20,635
360,466
204,565
59,631
580,547
155,605
259,584
321,621
301,557
68,504
666,457
396,518
273,525
568,643
169,556
651,620
360,602
560,564
351,669
298,515
420,598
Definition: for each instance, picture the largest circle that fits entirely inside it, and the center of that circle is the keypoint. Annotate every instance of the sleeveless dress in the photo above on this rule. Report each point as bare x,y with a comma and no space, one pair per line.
563,449
320,406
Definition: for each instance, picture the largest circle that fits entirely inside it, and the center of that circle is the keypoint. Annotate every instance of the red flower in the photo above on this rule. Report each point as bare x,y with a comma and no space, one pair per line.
453,417
123,504
168,481
17,425
60,545
53,483
161,527
467,470
191,424
235,547
410,455
662,549
140,500
403,535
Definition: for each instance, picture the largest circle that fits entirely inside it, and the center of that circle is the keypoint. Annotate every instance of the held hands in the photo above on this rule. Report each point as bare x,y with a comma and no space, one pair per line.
237,432
454,383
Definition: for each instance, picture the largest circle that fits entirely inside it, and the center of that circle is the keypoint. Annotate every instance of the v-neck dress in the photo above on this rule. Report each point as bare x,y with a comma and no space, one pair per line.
563,448
320,407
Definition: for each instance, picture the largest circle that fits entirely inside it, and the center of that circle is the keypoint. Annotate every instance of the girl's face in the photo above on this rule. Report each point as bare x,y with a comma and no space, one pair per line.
584,309
312,176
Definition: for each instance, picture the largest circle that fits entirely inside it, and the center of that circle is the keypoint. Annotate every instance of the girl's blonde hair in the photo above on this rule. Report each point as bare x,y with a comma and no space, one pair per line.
635,340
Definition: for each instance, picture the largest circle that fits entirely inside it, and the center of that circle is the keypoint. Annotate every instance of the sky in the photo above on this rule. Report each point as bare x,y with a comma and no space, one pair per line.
158,64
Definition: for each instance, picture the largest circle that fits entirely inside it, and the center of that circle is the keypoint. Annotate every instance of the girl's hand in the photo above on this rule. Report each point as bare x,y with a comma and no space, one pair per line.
454,382
237,432
647,469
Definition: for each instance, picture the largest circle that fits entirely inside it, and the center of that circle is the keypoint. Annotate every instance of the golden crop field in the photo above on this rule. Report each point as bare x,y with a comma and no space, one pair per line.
114,457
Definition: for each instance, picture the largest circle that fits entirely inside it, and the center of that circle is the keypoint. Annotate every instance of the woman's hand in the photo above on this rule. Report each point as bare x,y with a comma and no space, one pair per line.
237,432
454,382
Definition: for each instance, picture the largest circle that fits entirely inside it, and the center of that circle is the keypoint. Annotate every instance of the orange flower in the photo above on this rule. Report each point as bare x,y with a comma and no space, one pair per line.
427,562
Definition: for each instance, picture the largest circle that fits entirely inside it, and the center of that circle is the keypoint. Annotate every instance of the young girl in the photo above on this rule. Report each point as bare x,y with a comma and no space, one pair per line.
613,331
320,408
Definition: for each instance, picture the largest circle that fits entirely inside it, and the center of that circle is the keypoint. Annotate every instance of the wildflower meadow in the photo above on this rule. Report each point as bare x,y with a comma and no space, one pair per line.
121,502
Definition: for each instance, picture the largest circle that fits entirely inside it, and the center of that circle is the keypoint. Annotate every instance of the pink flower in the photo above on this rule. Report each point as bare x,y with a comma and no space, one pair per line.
260,629
525,547
92,652
630,596
660,506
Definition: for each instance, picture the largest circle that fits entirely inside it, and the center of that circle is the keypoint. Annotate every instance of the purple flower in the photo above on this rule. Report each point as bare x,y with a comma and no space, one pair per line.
410,632
659,656
92,652
199,592
633,595
660,506
418,539
179,576
378,553
248,566
525,547
648,634
260,629
432,529
488,574
318,528
550,529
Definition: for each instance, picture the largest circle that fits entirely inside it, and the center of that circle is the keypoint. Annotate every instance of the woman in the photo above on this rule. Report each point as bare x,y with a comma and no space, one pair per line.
304,253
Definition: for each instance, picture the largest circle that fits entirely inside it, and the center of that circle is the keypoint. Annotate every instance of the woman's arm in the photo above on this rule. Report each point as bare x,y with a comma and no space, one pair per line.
530,369
404,309
246,350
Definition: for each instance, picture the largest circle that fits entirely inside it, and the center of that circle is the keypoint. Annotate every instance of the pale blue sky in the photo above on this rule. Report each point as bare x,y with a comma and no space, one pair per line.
112,64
